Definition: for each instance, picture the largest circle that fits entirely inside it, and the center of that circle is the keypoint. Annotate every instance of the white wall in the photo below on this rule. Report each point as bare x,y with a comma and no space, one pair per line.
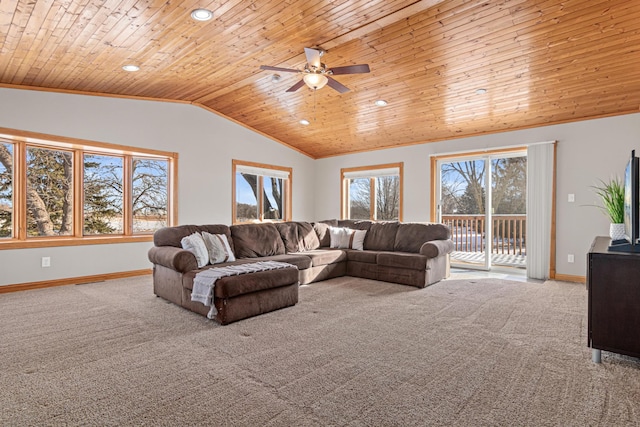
587,151
206,144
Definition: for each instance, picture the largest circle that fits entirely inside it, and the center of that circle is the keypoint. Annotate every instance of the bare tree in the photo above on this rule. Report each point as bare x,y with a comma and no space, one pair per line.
360,198
471,200
269,211
387,198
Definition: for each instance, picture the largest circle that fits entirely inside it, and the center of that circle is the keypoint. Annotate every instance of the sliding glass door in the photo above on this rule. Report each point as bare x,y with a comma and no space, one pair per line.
483,200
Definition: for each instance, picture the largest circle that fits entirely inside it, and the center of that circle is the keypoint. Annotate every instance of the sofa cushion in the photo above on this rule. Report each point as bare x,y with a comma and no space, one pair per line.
256,240
362,256
411,236
308,235
194,243
381,236
290,236
402,260
322,231
326,256
298,236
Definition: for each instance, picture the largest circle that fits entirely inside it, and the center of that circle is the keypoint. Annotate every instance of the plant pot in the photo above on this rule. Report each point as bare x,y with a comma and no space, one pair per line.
616,231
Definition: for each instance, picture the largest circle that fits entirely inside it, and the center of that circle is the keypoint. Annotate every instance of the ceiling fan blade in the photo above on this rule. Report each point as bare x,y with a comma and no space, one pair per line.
313,57
283,70
351,69
334,84
296,86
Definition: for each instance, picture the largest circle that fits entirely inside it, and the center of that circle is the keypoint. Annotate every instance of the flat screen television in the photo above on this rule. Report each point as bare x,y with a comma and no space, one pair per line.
631,208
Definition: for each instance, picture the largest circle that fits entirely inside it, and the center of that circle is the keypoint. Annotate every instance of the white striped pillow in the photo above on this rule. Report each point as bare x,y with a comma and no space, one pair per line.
218,247
346,238
196,245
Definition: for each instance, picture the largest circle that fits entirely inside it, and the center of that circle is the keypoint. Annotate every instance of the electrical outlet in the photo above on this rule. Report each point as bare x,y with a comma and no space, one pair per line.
570,258
46,261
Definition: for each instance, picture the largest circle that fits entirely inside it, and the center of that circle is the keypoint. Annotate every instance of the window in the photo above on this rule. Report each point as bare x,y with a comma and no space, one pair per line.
63,191
372,192
150,189
261,192
103,194
6,190
49,192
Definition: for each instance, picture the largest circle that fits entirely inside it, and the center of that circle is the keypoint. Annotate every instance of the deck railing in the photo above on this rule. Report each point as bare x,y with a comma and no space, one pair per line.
468,233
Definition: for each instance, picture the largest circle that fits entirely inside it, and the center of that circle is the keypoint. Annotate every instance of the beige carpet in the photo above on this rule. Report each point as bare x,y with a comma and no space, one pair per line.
352,352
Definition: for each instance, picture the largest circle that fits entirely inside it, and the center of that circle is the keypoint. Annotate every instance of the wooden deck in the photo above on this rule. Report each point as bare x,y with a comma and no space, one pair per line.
507,260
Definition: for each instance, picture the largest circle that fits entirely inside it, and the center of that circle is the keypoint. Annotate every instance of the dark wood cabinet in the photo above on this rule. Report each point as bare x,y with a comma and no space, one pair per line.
613,282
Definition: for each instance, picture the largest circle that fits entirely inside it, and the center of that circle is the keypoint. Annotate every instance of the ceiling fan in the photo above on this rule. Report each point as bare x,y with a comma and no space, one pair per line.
316,74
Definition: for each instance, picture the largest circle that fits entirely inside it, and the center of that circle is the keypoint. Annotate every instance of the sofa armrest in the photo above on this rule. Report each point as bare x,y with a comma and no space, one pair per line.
436,248
175,258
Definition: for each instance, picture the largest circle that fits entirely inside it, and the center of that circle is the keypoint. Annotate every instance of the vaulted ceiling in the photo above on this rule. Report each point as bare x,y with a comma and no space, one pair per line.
540,62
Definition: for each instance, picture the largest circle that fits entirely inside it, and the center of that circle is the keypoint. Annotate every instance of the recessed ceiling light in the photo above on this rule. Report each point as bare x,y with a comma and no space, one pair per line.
481,91
130,67
304,122
202,14
381,103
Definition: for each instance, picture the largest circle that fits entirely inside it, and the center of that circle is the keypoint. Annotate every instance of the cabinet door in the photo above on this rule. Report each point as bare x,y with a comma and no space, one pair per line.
615,303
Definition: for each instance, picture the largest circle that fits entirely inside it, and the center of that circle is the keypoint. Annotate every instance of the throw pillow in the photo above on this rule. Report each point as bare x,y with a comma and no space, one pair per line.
357,242
346,238
195,244
338,236
218,248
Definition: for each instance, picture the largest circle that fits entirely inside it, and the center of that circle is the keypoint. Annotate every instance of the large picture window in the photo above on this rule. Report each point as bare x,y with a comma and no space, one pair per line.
261,192
63,191
372,192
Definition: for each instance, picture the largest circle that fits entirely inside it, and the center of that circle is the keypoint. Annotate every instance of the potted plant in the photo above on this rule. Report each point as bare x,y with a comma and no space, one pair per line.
612,197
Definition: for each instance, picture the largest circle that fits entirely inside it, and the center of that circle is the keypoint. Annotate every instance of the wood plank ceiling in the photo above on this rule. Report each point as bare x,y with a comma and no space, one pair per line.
540,61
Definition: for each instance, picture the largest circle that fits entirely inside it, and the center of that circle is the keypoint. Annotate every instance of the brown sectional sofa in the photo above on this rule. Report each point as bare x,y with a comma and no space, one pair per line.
415,254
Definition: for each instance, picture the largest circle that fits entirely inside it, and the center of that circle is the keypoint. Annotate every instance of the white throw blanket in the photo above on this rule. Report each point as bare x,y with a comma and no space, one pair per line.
205,281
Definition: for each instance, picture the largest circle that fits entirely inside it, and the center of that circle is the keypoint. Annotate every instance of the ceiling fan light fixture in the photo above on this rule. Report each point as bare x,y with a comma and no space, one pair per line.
201,14
315,80
130,67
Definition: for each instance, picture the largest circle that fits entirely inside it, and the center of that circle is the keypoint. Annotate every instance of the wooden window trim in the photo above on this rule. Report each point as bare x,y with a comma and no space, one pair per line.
344,189
21,139
287,193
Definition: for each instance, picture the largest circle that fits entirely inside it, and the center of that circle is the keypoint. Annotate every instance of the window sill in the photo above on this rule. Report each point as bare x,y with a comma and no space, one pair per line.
72,241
